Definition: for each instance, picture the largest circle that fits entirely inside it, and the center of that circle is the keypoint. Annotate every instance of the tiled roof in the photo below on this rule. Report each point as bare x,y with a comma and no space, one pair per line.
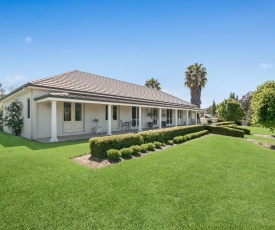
94,85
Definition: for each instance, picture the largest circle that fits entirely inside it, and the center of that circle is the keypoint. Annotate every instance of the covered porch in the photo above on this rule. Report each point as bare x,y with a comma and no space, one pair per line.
75,119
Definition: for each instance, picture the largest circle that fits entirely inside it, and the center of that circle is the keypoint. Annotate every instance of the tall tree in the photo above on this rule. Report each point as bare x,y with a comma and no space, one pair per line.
263,105
230,110
195,79
246,101
153,83
213,108
233,96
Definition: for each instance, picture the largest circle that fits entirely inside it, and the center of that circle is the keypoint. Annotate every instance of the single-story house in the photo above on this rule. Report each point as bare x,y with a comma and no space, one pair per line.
68,104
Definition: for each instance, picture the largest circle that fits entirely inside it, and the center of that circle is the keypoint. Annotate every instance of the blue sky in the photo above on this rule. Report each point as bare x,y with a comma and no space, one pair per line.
137,40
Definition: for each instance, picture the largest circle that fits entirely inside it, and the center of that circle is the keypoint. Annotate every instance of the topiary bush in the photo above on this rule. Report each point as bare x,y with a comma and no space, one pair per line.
144,148
221,130
100,145
246,131
126,152
113,154
178,139
136,149
151,146
164,135
170,142
157,144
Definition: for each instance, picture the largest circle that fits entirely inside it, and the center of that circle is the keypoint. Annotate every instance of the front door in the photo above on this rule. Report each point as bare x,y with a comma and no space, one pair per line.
179,117
72,117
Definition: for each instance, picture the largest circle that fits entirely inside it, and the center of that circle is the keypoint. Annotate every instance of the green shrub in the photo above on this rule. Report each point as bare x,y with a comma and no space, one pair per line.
126,152
144,148
170,142
151,146
164,135
157,144
136,149
246,131
178,139
100,145
225,131
113,154
225,123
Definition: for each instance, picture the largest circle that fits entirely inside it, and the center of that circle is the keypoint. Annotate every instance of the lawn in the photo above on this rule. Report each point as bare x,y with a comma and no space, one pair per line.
258,130
262,139
213,182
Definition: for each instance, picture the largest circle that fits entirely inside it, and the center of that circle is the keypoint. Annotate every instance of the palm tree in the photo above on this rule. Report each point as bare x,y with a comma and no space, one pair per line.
195,79
153,83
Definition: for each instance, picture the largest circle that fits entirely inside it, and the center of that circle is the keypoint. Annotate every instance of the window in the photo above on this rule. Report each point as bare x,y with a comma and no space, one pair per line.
67,111
135,114
179,114
28,107
169,116
114,112
78,112
155,116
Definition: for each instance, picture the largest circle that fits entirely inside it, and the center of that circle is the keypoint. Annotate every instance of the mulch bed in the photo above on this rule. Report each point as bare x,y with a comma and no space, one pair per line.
94,162
263,143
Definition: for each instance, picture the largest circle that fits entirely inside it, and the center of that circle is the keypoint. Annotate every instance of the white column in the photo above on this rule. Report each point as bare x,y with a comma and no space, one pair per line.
139,121
187,117
53,123
176,118
109,131
196,119
159,118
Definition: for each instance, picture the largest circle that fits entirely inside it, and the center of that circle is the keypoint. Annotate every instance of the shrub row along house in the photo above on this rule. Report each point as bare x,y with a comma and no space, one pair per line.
79,103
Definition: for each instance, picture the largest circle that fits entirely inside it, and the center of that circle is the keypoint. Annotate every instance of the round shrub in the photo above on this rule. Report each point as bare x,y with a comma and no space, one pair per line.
144,148
151,146
157,144
170,142
178,139
126,152
136,149
113,154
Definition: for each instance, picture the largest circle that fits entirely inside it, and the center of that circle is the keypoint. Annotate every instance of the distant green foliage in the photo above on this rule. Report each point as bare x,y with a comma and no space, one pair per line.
225,123
230,110
263,105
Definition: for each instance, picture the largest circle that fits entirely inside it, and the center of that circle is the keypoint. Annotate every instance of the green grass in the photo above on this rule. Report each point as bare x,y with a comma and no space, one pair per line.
213,182
258,130
262,139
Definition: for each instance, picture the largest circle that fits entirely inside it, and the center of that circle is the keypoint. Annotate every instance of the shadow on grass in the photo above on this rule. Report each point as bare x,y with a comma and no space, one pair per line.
8,140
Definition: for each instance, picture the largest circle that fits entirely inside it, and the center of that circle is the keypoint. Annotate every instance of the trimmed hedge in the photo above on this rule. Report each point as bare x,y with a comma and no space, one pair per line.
164,135
181,139
246,131
225,123
100,145
221,130
136,149
126,152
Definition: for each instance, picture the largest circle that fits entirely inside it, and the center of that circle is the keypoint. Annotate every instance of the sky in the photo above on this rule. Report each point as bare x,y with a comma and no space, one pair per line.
137,40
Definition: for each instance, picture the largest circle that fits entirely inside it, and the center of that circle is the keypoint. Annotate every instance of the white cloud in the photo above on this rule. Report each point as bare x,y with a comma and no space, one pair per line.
265,65
28,39
14,79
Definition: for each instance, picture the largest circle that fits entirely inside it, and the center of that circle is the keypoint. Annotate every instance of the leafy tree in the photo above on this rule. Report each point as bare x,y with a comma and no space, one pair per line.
230,110
153,83
213,108
263,105
13,118
195,79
